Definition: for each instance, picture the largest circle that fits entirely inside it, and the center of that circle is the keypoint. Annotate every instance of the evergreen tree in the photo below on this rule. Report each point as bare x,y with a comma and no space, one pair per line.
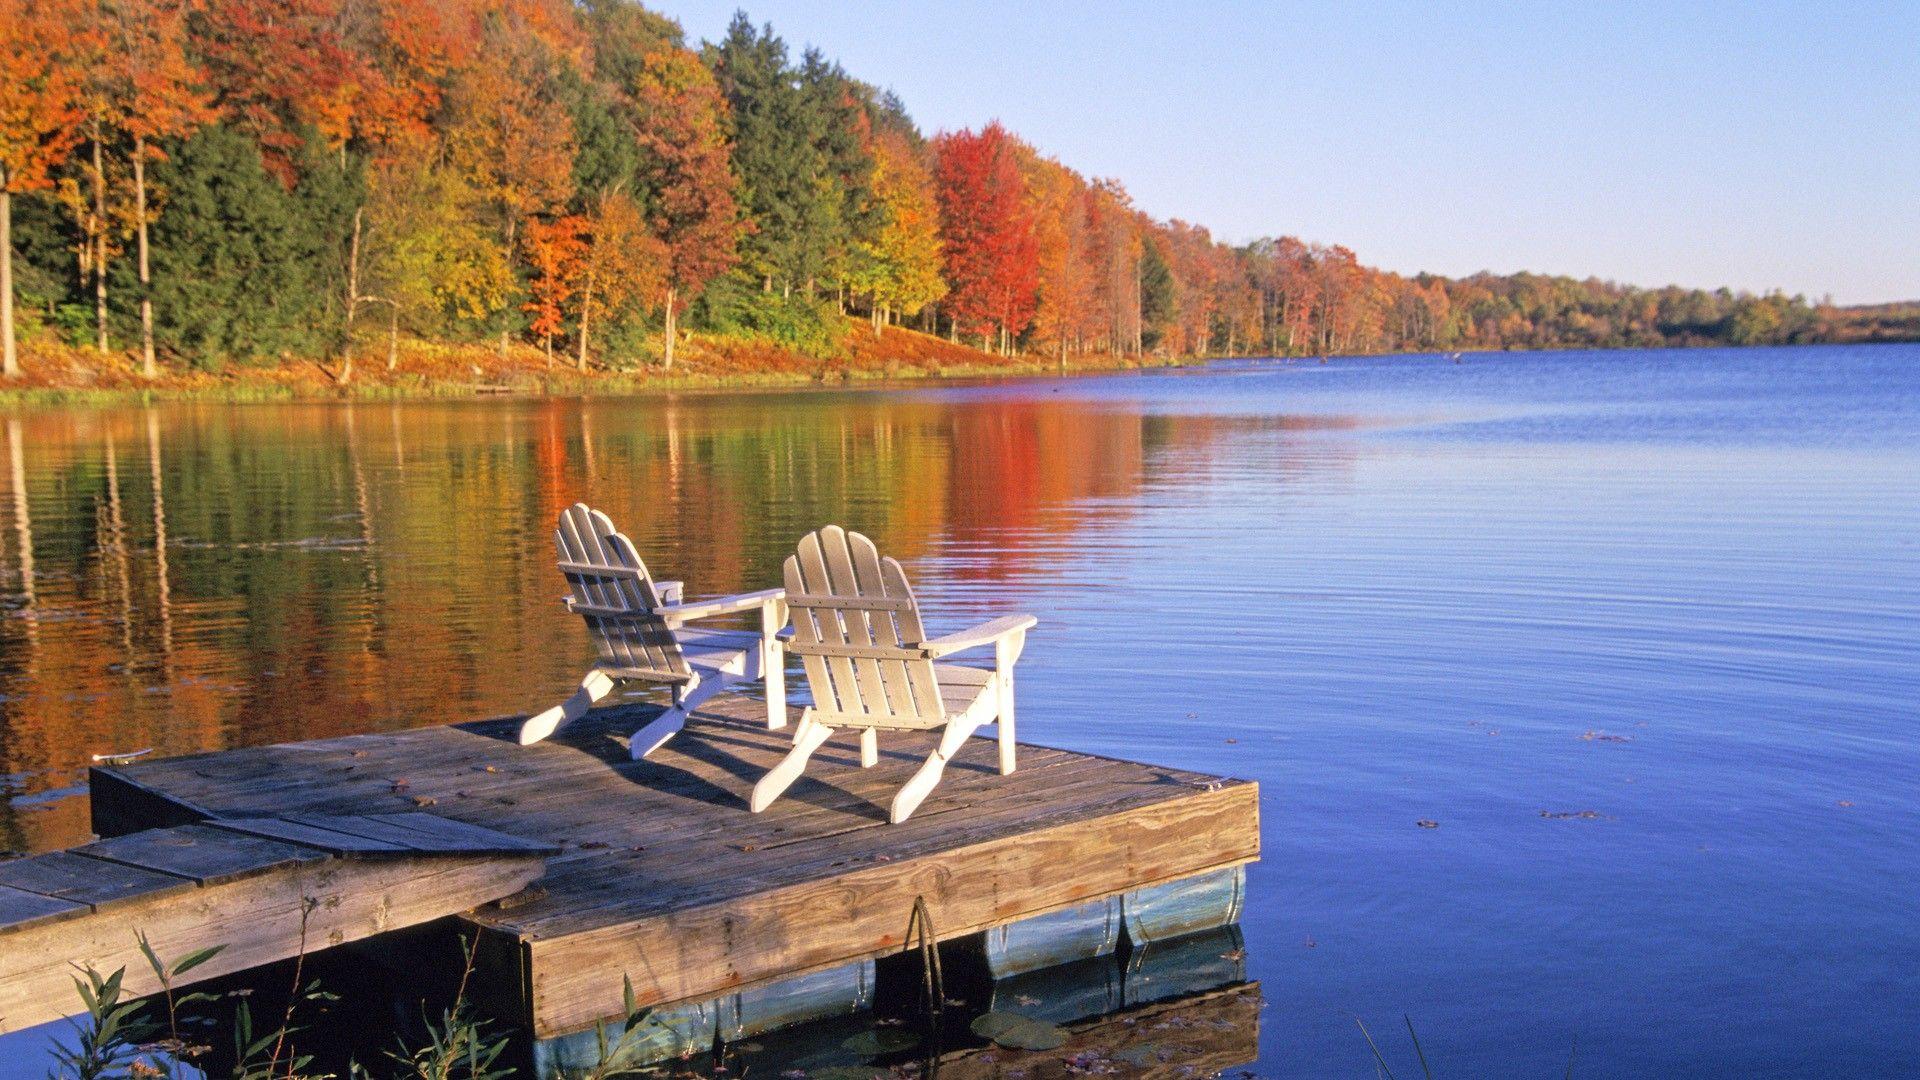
243,267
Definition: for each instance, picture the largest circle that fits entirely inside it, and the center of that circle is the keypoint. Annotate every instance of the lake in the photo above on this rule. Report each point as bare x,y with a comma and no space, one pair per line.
1638,633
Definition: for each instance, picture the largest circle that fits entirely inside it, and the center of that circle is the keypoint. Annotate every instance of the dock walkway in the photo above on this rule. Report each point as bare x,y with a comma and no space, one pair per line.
664,878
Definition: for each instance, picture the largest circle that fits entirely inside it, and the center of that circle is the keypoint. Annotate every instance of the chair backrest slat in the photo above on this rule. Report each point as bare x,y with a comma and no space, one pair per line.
852,613
610,583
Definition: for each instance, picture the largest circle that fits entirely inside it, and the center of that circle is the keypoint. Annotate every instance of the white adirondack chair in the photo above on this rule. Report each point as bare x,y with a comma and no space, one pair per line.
870,665
639,626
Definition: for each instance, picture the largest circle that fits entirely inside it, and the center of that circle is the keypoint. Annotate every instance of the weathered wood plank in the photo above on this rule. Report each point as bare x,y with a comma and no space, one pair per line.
435,833
205,855
315,836
20,909
67,875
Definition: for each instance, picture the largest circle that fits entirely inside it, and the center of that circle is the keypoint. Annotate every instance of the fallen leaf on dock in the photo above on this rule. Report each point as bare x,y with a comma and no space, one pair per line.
1601,736
424,800
1589,815
1425,824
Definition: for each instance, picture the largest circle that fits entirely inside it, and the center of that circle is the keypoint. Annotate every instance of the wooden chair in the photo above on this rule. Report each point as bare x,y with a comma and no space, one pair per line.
639,626
870,665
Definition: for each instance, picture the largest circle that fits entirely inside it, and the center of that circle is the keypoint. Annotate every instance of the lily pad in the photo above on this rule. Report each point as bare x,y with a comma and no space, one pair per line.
846,1072
887,1040
1017,1032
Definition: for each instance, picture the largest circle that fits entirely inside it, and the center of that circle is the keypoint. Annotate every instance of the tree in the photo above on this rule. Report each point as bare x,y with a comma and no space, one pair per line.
797,159
681,121
39,114
1065,311
243,267
987,234
509,132
898,267
431,257
619,260
153,93
556,247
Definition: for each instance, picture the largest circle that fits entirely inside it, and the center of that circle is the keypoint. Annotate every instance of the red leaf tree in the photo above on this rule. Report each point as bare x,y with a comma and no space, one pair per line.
987,232
682,127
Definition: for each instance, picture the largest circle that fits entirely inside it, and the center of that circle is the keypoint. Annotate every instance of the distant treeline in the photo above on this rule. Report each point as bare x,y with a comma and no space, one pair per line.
208,181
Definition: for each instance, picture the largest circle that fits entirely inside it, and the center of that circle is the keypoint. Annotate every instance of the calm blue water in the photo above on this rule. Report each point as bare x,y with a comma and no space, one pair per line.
1637,631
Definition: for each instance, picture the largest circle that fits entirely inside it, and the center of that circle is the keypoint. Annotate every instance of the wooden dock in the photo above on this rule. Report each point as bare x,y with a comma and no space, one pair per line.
663,876
263,890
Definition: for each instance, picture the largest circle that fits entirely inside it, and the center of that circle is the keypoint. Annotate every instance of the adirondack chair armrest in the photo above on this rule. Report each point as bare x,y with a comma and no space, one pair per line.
725,605
670,592
987,633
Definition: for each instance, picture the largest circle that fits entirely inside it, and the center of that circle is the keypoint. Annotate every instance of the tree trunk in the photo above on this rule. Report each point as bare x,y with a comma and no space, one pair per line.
666,361
149,367
11,359
353,276
393,337
99,240
586,306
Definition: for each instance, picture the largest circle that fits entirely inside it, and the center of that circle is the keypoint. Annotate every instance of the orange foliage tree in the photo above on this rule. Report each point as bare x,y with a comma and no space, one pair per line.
39,116
619,259
556,247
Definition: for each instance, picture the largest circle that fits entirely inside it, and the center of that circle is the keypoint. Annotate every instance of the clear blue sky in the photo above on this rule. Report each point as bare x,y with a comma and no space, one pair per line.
1755,145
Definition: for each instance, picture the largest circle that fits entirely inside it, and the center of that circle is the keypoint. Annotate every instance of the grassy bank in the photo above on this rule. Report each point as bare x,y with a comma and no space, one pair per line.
56,374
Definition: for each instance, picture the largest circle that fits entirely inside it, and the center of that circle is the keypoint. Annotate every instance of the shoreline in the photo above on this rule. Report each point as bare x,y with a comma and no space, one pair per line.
70,376
66,376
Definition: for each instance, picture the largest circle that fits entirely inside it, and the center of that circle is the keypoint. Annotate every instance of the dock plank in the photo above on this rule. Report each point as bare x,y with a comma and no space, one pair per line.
20,909
67,875
205,855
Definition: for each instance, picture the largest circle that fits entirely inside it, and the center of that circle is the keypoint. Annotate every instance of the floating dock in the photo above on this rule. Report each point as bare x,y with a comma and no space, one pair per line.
664,879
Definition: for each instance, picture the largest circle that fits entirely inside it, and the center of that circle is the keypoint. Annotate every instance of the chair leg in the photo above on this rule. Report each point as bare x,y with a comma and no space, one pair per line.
654,734
869,748
594,685
1006,723
916,790
1006,652
773,667
807,738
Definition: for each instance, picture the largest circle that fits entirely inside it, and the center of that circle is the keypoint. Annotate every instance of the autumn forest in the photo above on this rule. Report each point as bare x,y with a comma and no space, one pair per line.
227,185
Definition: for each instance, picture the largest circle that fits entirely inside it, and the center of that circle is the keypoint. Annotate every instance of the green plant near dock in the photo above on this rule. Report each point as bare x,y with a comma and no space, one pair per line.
154,1038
